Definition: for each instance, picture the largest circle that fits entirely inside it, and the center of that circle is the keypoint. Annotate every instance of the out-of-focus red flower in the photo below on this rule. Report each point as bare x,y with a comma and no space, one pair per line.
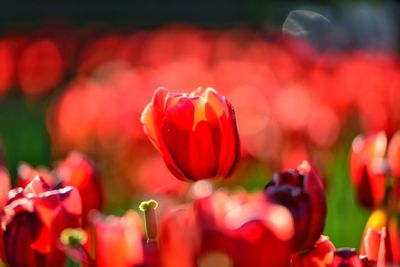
367,169
346,257
320,255
394,155
26,173
374,244
32,222
118,240
180,238
195,133
302,192
5,186
7,65
227,230
381,239
77,171
41,67
242,227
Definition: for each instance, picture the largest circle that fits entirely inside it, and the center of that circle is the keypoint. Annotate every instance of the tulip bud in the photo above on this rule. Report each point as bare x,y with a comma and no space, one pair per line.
368,168
302,192
32,222
195,133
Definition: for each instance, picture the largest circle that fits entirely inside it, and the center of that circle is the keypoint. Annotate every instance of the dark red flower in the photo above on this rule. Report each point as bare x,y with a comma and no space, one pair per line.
302,192
367,169
195,133
32,221
346,257
320,255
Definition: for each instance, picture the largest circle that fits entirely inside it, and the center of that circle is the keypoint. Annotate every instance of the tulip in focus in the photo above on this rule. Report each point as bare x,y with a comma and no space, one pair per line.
32,221
196,133
301,191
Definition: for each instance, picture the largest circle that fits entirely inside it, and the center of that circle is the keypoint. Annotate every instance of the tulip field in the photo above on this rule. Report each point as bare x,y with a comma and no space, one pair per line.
182,146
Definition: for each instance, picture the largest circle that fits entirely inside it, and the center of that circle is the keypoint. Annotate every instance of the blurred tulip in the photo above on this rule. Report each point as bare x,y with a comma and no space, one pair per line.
118,240
240,228
381,238
374,244
180,238
368,169
5,186
302,192
320,255
26,173
77,171
346,257
394,155
7,65
195,133
32,222
41,67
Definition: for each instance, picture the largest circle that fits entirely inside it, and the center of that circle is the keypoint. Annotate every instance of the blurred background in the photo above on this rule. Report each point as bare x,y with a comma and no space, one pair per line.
305,79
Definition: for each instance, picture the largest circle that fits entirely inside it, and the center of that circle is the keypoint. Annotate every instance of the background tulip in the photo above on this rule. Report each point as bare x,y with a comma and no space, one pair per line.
118,240
367,168
195,133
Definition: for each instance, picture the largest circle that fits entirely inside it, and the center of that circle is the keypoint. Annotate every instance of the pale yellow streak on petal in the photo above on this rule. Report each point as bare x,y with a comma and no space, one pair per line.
214,102
148,122
199,111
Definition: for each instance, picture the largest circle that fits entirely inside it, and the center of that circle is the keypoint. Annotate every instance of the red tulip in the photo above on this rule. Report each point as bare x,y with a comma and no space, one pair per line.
40,67
347,257
32,222
26,173
77,171
394,155
381,239
118,240
195,133
5,186
320,255
374,244
302,192
367,168
244,229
